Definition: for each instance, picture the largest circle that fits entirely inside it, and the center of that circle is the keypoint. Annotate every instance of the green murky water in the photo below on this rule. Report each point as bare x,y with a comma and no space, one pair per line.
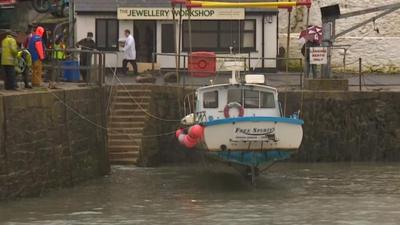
208,194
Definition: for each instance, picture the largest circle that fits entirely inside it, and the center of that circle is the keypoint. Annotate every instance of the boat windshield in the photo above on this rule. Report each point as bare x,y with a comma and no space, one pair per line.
235,95
210,99
253,99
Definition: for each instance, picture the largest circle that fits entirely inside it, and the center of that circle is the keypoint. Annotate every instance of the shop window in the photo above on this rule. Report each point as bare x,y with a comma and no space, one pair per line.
107,34
220,35
168,38
210,99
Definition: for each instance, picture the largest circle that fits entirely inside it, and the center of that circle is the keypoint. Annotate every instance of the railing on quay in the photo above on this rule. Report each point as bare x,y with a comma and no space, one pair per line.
250,65
70,65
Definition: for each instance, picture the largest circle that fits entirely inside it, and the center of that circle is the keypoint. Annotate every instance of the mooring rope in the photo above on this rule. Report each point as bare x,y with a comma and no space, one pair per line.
101,126
141,108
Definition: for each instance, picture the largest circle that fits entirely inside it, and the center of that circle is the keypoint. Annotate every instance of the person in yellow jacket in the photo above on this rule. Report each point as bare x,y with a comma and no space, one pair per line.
58,57
8,60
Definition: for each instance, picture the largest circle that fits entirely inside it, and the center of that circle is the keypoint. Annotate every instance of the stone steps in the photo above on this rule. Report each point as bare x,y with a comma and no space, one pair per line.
121,136
126,123
127,112
131,105
123,155
133,99
133,93
124,131
124,161
126,119
123,148
125,143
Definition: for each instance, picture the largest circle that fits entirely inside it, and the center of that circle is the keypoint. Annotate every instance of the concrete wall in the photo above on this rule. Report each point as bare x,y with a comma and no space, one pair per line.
380,51
44,145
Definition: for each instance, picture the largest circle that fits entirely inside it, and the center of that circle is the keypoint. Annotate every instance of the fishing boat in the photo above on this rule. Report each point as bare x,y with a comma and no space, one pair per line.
241,123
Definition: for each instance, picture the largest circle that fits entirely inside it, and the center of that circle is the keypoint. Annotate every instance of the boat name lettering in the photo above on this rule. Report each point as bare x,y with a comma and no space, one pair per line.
255,131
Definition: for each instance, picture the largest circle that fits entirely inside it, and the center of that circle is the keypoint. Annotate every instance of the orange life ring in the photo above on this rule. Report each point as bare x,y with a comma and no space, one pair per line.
231,105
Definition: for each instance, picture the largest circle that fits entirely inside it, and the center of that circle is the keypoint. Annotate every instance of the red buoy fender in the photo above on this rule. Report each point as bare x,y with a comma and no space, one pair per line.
231,105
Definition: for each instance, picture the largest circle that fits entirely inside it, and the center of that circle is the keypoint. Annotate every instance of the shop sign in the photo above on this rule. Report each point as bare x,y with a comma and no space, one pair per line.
167,14
318,55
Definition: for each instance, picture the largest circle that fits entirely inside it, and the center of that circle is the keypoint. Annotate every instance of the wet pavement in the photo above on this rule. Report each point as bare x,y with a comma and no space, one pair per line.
289,193
282,81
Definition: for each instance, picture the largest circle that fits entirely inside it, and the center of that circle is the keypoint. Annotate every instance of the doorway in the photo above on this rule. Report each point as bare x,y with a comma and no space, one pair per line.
145,38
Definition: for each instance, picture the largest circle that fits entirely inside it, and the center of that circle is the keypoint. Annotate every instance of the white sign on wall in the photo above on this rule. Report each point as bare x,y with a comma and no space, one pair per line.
167,14
318,55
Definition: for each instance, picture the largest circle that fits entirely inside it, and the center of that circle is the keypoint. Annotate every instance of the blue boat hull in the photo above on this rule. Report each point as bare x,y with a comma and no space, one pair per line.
252,158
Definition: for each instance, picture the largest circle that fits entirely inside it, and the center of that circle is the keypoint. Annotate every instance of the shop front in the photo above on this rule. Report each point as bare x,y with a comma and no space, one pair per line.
245,32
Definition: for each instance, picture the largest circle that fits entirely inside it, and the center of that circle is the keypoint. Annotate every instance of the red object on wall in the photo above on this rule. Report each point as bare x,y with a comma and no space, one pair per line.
202,64
7,2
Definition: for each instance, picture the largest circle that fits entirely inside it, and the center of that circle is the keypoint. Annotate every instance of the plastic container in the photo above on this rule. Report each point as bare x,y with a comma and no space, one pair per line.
71,70
202,64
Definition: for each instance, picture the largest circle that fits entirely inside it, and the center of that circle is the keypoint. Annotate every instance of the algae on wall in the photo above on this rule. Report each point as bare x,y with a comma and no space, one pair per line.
160,146
45,145
348,126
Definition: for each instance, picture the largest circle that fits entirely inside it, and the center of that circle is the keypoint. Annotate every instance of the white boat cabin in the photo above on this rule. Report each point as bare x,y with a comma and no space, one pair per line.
237,100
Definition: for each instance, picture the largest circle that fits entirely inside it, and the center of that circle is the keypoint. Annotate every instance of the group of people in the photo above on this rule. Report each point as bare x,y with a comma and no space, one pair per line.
33,56
33,52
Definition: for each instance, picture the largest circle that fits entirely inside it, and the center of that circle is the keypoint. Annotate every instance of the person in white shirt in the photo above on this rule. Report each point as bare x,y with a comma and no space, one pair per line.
129,53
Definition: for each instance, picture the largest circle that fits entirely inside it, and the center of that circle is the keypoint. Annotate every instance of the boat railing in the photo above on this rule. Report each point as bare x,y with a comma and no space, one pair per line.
201,117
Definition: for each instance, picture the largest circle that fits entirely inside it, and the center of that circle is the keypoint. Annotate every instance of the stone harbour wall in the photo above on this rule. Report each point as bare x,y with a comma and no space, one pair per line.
380,51
45,145
347,126
339,126
159,144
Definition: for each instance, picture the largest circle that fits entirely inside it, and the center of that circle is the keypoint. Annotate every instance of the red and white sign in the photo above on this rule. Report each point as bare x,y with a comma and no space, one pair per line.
318,55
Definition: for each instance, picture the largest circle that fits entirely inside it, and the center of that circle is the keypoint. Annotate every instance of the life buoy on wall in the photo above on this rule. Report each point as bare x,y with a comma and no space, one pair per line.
235,105
202,64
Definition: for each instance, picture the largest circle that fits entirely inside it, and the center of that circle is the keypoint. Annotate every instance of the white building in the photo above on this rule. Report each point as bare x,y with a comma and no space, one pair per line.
152,25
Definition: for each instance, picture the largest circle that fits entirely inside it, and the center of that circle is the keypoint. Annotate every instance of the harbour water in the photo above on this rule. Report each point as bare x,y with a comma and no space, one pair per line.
288,193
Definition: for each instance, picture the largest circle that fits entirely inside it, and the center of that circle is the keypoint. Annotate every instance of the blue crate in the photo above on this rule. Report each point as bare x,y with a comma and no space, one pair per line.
71,70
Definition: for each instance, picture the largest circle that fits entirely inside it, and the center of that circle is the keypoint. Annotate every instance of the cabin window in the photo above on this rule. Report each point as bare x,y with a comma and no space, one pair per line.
210,99
235,95
267,100
251,99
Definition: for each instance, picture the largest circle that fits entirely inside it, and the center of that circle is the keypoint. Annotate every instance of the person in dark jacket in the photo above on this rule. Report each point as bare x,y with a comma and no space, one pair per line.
86,44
